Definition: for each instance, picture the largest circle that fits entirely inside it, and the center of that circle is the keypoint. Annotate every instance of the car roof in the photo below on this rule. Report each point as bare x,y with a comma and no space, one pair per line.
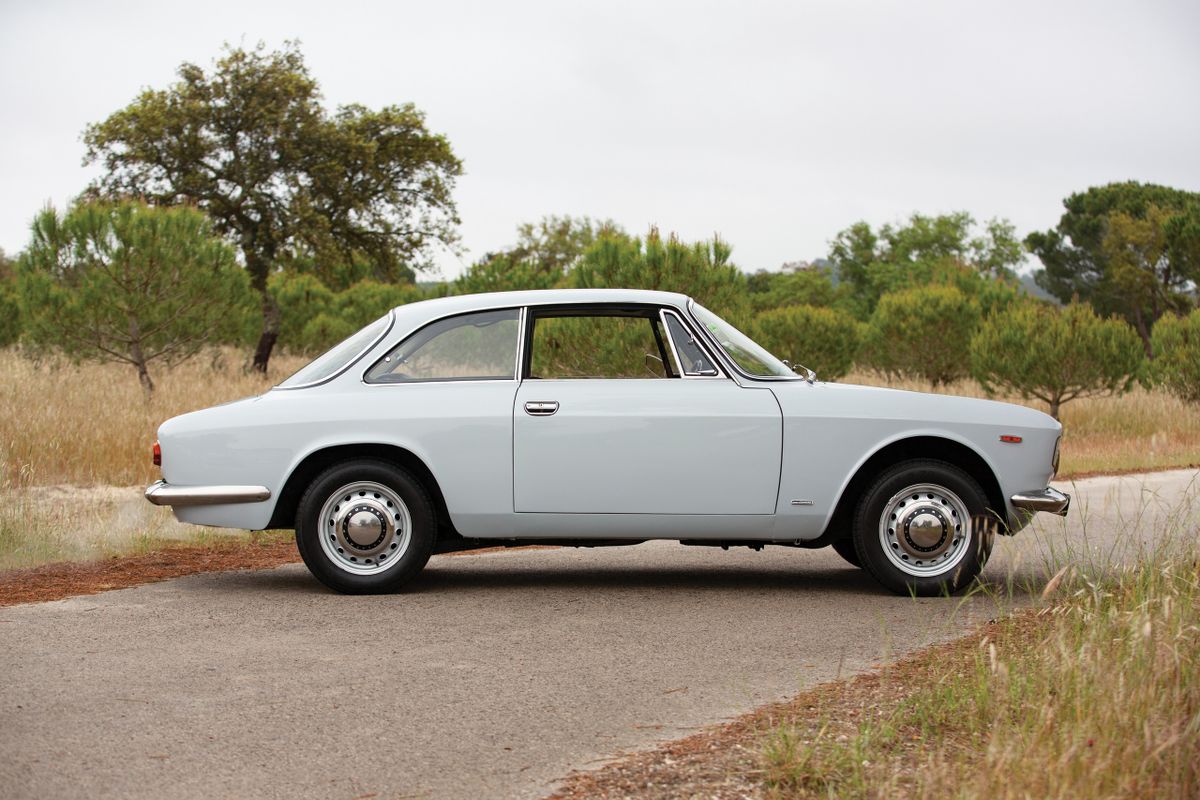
455,304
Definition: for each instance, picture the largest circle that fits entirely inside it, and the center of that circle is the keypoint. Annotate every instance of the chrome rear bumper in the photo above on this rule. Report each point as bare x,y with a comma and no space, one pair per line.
1047,499
161,493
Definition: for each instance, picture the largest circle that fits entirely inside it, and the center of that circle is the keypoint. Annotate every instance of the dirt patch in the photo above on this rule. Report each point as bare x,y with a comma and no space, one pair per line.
70,578
67,579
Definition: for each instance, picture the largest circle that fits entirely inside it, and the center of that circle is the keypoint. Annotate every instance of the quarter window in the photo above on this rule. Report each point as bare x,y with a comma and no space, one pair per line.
469,347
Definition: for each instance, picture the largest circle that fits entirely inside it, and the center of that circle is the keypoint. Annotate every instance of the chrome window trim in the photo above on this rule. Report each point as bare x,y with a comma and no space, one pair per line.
712,340
662,313
516,373
350,363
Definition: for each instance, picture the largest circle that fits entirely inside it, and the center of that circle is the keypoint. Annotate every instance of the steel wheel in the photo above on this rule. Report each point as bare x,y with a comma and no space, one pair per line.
925,530
366,528
919,528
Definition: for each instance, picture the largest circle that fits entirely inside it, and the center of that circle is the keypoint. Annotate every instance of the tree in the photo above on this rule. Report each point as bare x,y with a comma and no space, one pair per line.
1177,360
543,254
825,340
286,182
702,270
131,283
924,250
10,312
1055,355
923,333
807,286
1127,248
313,318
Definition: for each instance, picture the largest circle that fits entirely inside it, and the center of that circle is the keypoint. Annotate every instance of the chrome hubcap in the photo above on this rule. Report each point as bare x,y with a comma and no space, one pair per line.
365,527
925,529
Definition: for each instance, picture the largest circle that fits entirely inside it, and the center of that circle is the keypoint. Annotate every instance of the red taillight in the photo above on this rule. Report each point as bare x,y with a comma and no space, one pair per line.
157,455
1010,439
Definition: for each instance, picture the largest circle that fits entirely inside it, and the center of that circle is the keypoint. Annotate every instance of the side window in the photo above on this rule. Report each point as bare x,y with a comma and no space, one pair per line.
694,361
469,347
594,346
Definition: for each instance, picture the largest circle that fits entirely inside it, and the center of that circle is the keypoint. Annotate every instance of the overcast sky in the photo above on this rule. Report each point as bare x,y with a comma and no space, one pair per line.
773,124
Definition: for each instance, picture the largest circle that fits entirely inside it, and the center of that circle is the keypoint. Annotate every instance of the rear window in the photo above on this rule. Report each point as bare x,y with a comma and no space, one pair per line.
340,356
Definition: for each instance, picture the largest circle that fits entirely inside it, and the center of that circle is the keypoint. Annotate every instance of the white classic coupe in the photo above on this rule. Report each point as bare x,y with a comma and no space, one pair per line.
599,417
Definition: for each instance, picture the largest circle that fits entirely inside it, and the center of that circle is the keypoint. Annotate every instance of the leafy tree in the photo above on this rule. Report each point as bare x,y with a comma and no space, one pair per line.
923,333
544,252
288,183
369,300
300,299
131,283
702,270
823,339
808,286
10,312
1177,363
1055,355
1127,248
924,250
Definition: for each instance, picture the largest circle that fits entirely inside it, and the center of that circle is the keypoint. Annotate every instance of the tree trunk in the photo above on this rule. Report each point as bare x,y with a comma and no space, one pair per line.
139,359
1144,332
269,335
1054,406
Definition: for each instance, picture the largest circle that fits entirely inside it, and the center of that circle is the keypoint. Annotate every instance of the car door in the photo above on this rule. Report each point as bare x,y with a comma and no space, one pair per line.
605,423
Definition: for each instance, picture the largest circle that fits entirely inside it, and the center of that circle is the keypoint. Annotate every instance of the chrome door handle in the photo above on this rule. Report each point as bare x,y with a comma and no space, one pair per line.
541,408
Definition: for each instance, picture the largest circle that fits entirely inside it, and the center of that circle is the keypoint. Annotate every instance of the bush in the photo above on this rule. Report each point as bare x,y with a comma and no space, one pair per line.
923,333
10,315
313,318
1176,344
1055,355
823,339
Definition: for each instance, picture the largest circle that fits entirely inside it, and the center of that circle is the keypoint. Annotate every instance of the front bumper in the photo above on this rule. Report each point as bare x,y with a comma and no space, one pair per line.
161,493
1048,499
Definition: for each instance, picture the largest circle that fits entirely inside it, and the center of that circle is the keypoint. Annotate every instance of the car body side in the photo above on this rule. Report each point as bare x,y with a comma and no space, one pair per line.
462,434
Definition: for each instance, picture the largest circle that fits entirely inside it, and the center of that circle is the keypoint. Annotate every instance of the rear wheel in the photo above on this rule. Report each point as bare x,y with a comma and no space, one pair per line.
922,528
364,527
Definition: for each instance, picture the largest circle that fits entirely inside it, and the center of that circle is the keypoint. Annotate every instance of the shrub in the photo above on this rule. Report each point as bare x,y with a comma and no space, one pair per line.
923,333
1055,355
1176,344
823,339
10,315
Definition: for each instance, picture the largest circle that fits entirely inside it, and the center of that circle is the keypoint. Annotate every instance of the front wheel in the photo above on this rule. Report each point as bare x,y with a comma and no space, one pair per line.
922,528
365,527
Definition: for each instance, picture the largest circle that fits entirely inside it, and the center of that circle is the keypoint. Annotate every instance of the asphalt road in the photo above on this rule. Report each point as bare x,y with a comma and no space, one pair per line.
493,677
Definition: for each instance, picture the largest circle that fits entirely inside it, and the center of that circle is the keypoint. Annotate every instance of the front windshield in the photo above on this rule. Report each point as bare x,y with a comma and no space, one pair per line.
741,348
335,358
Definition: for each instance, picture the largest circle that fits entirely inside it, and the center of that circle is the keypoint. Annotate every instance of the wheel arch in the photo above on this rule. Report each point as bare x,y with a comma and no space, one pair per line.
908,448
316,462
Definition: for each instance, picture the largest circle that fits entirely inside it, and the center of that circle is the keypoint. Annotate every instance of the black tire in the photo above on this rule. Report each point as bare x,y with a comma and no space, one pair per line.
845,548
919,520
410,554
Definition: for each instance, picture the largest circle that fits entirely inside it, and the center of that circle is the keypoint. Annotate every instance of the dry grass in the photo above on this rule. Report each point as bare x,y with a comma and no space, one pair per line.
1139,431
89,424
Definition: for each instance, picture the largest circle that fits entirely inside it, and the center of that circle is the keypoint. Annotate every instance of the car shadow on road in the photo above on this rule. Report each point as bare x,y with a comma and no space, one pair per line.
494,576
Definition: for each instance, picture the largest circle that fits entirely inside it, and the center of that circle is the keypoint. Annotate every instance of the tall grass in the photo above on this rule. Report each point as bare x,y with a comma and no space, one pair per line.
89,424
1094,694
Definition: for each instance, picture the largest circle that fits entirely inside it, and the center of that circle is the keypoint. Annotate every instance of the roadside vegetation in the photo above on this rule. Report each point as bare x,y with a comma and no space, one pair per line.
1093,693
